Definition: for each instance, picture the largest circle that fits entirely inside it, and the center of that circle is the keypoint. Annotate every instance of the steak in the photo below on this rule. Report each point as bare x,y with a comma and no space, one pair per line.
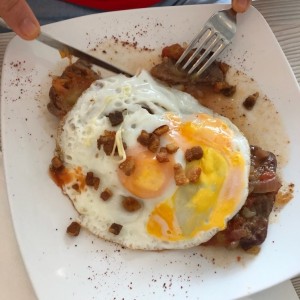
68,87
169,73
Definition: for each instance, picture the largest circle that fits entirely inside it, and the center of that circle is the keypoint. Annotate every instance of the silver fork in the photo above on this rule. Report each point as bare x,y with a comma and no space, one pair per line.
216,34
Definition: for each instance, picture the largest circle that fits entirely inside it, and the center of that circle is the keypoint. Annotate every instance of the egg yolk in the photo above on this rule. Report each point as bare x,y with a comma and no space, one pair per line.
150,178
162,222
207,204
209,131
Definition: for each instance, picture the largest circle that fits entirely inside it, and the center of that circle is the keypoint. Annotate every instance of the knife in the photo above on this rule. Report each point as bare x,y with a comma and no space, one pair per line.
69,50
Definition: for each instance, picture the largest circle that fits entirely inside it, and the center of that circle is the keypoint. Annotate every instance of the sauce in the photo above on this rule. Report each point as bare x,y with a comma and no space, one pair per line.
64,176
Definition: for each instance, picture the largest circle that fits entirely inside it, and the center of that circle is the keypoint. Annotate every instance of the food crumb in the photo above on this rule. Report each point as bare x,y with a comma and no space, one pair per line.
250,101
284,196
73,229
254,250
115,228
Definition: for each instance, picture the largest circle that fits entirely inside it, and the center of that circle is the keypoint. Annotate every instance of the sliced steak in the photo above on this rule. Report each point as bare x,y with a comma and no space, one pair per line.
68,87
167,71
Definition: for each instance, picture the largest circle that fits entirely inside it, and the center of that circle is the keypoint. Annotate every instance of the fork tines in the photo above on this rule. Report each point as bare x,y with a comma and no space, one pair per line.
208,44
216,34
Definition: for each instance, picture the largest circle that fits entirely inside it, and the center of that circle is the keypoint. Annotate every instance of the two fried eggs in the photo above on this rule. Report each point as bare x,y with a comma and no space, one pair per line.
169,216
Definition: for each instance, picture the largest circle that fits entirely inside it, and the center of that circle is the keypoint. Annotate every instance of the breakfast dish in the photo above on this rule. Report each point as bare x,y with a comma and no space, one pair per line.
181,180
85,266
185,167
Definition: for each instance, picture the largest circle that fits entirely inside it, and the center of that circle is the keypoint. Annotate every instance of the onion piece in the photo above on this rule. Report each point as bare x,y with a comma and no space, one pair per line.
247,213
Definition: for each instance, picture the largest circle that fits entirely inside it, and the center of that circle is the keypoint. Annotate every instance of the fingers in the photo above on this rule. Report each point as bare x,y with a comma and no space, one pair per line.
20,18
240,6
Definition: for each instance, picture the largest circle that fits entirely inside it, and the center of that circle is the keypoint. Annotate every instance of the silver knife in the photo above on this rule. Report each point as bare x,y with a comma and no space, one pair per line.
69,50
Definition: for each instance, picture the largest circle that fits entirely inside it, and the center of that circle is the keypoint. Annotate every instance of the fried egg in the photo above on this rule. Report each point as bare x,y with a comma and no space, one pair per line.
169,215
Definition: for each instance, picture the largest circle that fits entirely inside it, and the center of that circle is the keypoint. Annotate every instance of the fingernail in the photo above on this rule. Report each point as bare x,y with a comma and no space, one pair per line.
29,29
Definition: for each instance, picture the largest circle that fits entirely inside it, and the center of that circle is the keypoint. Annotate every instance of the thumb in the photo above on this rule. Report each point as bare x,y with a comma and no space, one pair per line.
20,18
240,6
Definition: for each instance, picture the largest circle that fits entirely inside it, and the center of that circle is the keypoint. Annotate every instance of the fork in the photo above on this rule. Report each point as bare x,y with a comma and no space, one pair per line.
216,34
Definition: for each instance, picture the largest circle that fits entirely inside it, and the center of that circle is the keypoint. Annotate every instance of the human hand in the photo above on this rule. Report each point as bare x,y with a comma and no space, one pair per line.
240,6
20,18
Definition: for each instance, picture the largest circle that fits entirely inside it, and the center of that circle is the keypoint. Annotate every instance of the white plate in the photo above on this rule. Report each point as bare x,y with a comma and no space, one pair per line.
85,267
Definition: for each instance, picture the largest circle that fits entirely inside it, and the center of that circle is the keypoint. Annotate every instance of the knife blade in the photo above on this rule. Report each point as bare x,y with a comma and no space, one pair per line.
69,50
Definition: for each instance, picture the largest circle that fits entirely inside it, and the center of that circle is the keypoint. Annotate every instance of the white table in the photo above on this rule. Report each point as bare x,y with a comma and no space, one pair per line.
283,17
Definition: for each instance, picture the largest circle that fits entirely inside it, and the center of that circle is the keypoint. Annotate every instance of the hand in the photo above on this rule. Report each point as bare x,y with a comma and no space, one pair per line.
240,6
20,18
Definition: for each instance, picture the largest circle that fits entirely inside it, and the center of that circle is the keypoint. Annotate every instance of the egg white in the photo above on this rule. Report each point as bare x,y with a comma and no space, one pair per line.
77,142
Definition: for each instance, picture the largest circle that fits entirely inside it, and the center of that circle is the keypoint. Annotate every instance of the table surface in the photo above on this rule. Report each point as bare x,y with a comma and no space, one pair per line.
283,16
